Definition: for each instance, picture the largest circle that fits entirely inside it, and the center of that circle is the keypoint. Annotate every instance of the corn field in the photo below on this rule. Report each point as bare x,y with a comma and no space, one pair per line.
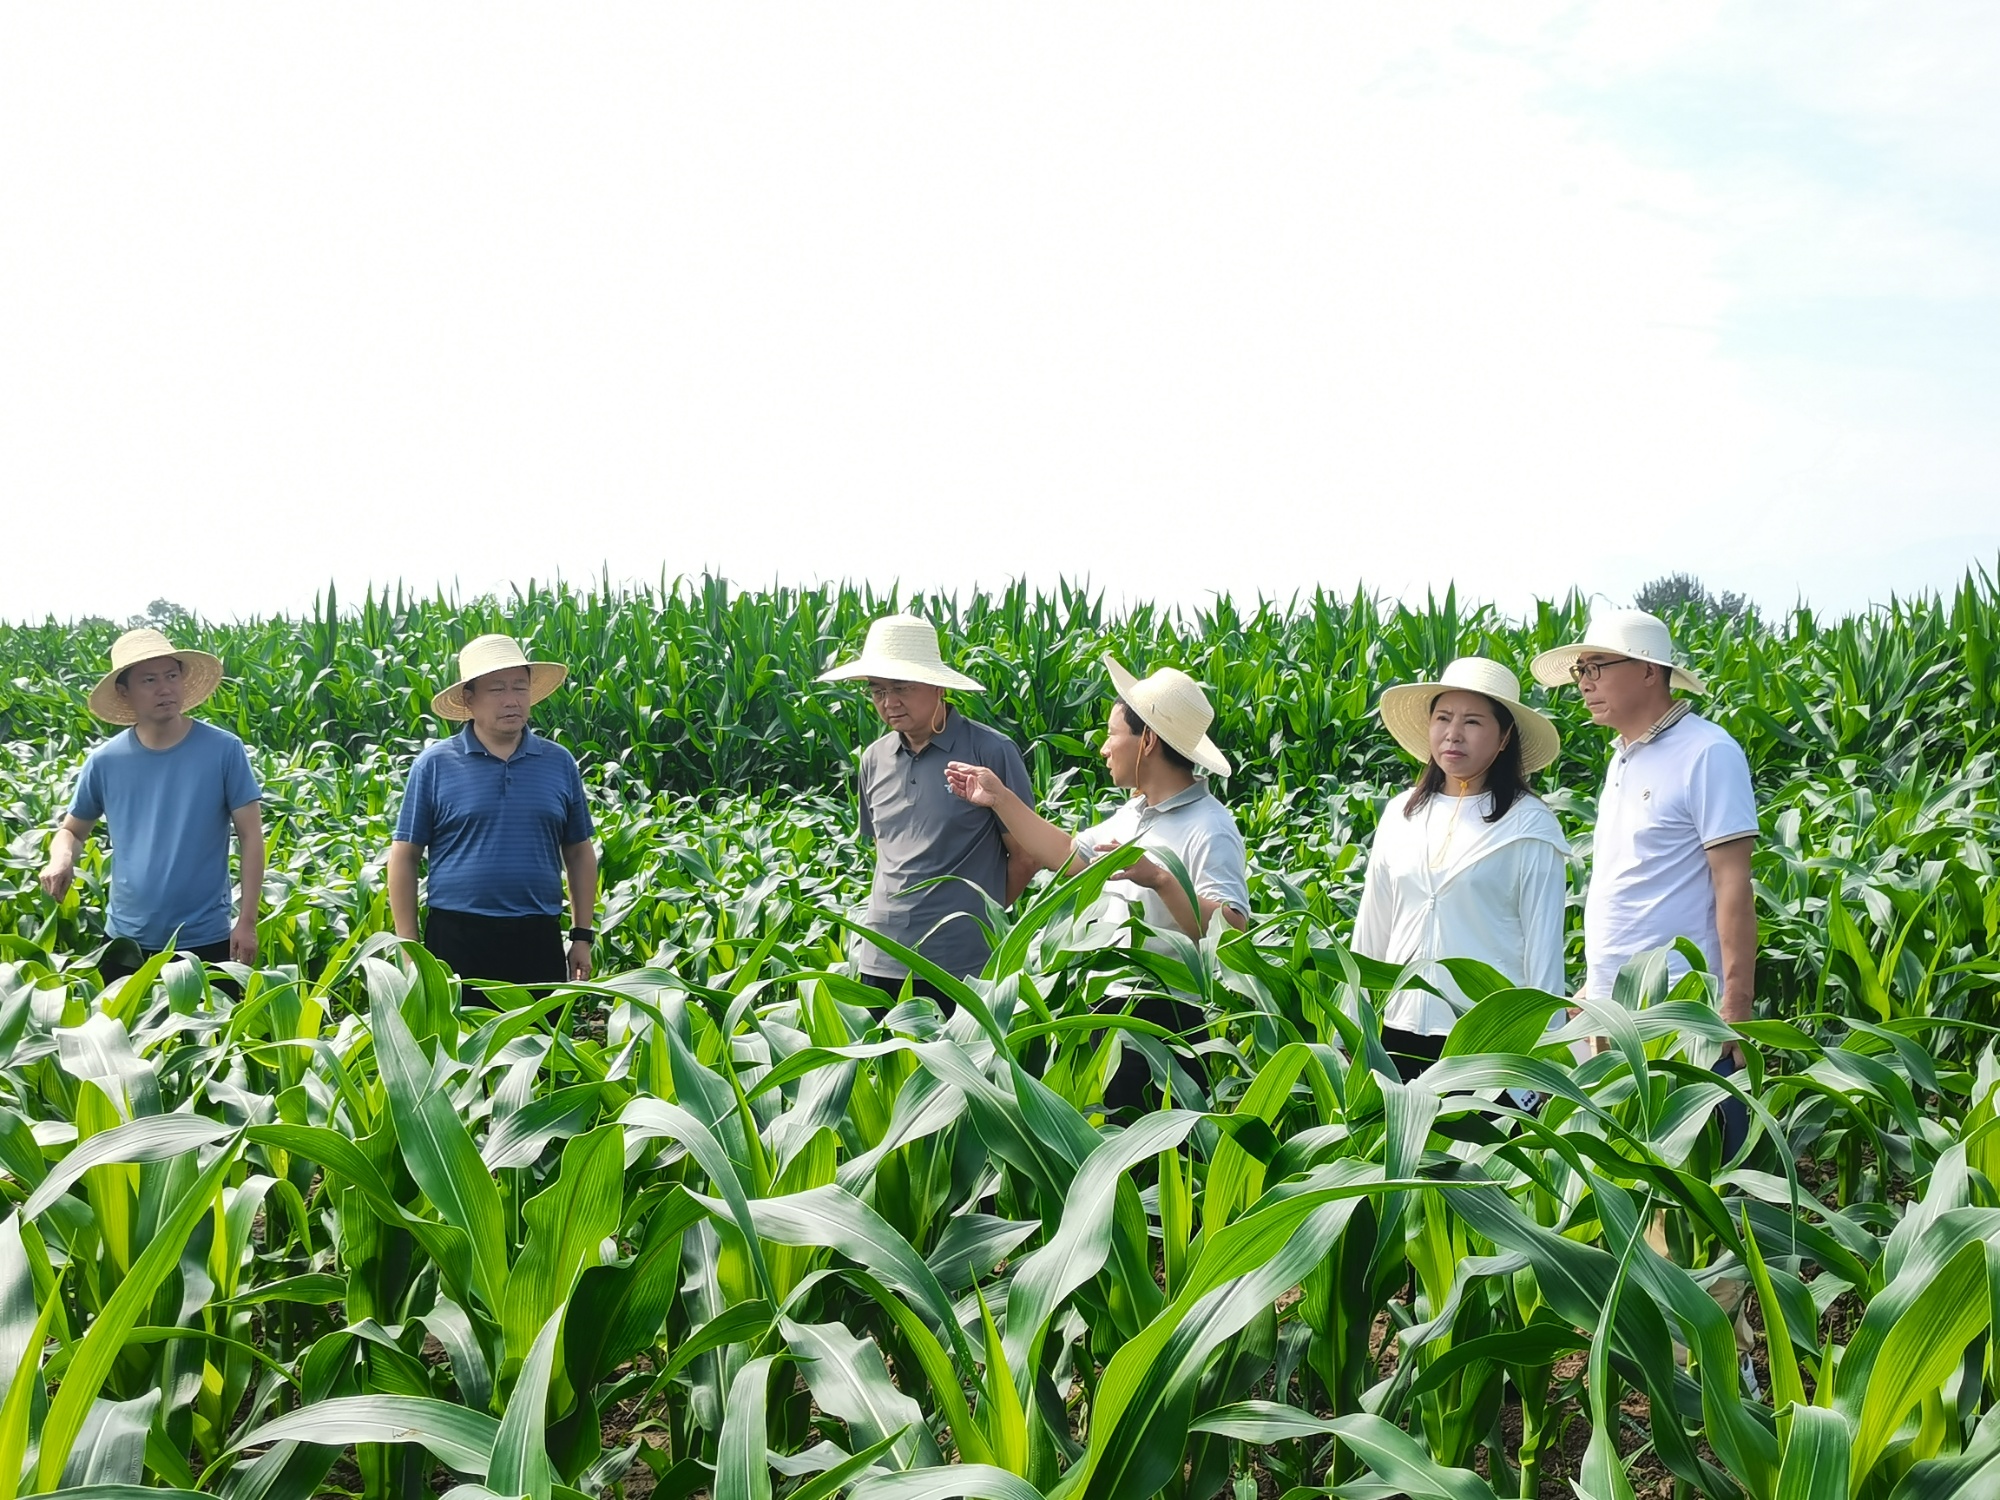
702,1227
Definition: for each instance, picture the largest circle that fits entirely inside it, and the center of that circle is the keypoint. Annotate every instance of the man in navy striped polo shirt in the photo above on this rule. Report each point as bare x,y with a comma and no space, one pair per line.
502,814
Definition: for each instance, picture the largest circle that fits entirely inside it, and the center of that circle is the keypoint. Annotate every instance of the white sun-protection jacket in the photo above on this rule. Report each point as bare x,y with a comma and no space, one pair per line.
1496,895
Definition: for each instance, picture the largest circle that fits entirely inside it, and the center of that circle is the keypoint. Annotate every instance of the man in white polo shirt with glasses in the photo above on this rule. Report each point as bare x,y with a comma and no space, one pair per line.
1676,820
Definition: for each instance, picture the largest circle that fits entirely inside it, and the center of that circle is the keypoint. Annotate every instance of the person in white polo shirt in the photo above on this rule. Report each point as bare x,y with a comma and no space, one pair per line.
1676,820
1155,743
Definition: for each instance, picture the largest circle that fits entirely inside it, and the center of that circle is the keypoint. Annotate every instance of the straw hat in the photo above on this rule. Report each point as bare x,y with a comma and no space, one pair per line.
1618,632
902,648
1176,709
201,672
1406,710
496,653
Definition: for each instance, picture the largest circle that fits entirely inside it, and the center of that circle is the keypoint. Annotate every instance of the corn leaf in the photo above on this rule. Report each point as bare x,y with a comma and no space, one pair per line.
101,1344
1817,1454
454,1435
439,1152
520,1461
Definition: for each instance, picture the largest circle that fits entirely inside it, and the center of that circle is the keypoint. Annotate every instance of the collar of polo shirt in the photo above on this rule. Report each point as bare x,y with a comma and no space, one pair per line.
1181,798
1681,709
471,744
945,738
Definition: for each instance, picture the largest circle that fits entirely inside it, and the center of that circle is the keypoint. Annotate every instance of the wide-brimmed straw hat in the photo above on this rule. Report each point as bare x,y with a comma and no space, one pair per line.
496,653
1618,632
201,672
1175,708
902,648
1406,710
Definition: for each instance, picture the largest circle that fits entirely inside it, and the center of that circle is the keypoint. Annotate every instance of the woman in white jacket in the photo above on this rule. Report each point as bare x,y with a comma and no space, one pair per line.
1468,863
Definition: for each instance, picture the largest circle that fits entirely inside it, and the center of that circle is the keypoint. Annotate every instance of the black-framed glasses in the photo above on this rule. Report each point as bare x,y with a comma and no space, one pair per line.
1589,671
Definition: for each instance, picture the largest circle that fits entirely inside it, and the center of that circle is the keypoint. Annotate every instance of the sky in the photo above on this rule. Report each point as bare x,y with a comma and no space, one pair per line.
1171,299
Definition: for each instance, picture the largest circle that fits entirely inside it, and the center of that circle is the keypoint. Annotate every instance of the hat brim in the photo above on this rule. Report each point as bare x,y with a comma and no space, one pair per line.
932,674
201,672
1203,751
544,677
1406,714
1551,668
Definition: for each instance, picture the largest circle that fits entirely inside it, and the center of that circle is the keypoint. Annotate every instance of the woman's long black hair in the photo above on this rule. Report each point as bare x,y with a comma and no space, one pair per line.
1503,778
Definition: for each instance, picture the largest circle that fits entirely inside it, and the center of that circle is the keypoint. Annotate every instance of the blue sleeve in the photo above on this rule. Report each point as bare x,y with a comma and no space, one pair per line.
239,782
579,827
88,803
414,821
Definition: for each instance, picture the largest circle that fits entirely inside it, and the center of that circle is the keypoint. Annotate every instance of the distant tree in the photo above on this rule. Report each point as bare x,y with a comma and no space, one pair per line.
162,615
1676,591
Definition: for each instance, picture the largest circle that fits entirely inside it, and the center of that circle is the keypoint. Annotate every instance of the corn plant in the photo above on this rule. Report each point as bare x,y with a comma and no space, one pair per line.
710,1225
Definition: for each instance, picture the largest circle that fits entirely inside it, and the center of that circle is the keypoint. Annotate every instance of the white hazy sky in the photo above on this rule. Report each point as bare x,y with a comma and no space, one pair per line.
1177,299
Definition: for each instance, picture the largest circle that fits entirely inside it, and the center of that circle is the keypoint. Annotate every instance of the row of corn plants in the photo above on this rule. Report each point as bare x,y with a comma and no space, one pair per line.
1334,1282
1872,739
723,1234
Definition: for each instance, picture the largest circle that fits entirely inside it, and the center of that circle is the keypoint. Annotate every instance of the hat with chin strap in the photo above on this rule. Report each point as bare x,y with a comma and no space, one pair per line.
1174,707
902,648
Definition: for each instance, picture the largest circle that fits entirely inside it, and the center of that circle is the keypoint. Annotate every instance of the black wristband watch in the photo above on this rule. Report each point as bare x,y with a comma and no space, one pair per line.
582,935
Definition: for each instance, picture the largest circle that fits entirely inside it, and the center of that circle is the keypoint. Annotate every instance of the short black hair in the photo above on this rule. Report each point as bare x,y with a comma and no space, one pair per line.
1138,725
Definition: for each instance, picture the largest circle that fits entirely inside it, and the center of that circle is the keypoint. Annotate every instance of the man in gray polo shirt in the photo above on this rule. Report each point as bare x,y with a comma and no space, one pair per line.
919,829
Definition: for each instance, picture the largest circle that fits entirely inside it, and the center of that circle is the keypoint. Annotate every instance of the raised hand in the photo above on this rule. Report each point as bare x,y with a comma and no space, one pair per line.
976,784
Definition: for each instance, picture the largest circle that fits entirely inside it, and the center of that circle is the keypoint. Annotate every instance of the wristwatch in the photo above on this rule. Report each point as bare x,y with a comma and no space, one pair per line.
582,935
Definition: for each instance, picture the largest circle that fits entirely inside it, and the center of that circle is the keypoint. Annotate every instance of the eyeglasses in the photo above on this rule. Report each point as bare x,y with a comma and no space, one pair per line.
880,691
1589,671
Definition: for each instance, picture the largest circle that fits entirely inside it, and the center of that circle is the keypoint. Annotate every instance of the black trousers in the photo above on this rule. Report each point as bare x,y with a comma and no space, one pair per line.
893,989
512,950
1411,1051
1132,1085
124,958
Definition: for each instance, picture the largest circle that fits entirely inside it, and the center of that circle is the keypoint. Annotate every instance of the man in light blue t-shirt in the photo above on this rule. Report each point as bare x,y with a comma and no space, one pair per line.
171,789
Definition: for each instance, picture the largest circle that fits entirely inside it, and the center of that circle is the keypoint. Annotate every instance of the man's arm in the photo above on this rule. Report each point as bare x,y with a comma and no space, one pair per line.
1020,869
580,863
404,859
1030,834
1238,920
1736,924
1191,917
70,837
249,821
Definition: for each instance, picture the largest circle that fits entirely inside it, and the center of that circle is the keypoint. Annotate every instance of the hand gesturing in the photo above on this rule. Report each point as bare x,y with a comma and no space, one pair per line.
976,784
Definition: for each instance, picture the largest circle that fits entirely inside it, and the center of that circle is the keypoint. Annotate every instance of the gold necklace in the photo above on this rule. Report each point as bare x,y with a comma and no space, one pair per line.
1451,828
